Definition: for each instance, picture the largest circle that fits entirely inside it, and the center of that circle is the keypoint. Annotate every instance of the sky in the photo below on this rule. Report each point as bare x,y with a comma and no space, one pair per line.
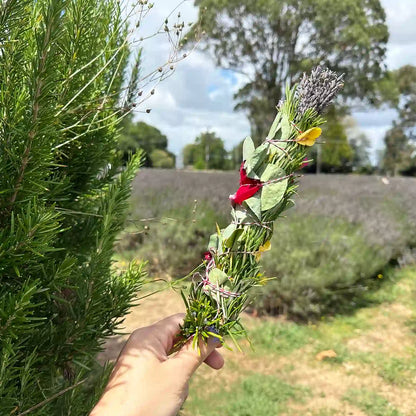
199,96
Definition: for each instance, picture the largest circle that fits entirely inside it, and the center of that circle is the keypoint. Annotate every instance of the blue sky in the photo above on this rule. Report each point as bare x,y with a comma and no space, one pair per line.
199,96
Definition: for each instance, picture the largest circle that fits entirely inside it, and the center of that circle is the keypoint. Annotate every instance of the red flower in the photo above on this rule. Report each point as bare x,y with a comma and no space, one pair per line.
248,187
207,256
305,162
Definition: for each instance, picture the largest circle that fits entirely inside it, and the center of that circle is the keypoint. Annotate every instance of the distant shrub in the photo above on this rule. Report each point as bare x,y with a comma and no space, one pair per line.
162,159
320,264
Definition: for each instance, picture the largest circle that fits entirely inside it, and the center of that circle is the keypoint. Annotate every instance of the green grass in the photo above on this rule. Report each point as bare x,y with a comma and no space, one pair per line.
256,394
371,403
280,337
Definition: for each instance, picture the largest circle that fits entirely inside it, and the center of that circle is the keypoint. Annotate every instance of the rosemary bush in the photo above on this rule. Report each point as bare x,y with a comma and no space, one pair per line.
67,78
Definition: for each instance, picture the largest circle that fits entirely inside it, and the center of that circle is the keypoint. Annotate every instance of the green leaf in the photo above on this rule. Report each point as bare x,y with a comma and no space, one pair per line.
239,214
286,129
230,234
272,172
272,194
275,127
213,241
217,276
255,160
248,148
255,205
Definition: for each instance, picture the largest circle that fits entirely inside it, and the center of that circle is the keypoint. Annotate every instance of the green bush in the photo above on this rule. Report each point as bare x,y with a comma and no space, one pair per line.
63,201
162,159
320,265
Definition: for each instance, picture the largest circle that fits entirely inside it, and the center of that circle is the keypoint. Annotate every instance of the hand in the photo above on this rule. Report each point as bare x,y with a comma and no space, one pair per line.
146,381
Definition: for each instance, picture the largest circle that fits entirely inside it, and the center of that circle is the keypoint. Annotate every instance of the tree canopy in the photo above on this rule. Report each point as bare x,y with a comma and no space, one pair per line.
400,140
139,135
272,42
208,152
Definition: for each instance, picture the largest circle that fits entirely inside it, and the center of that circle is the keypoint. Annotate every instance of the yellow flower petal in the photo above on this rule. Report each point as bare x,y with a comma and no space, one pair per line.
265,247
309,137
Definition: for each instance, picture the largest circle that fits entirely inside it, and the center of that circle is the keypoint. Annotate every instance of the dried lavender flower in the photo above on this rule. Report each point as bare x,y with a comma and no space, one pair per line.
318,89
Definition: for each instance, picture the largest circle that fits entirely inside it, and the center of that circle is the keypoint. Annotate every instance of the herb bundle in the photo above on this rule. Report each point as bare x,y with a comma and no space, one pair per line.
268,180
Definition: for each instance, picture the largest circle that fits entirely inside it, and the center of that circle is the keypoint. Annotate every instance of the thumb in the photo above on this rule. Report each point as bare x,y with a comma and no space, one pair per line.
190,357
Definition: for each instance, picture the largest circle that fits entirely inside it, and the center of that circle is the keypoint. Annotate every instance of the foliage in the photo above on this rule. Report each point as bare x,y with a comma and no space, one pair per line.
400,150
360,146
63,200
406,81
400,153
207,152
272,42
222,282
162,159
139,135
319,267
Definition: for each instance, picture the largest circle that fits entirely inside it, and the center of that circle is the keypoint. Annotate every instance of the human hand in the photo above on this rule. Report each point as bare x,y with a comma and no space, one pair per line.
146,381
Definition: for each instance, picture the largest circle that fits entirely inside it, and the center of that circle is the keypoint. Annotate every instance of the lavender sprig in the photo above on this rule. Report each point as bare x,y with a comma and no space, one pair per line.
318,89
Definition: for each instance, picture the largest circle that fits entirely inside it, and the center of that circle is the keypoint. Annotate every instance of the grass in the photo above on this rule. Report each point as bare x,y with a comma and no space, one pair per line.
371,403
373,373
255,395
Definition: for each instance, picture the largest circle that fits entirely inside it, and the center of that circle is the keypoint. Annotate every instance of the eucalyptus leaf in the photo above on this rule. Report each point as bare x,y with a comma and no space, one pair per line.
214,241
228,231
239,214
229,242
272,172
248,148
272,194
229,235
254,204
217,277
255,160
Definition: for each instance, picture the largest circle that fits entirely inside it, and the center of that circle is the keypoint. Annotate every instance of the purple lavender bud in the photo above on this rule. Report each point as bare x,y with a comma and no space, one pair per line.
318,89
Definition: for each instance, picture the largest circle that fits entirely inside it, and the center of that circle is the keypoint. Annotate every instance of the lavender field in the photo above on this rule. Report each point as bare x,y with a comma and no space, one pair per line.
326,255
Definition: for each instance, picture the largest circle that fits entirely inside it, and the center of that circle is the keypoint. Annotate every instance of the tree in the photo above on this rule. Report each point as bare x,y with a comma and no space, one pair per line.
360,146
64,87
272,42
139,135
400,152
406,104
161,159
207,152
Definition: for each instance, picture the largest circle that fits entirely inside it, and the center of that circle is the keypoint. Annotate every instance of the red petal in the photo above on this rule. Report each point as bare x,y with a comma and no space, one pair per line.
244,192
245,180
